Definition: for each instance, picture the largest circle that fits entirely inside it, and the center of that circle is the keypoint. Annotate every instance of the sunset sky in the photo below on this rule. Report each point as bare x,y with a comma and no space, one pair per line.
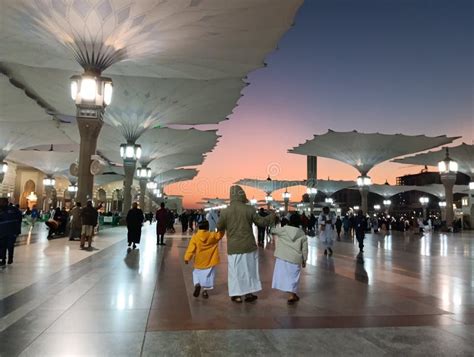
390,66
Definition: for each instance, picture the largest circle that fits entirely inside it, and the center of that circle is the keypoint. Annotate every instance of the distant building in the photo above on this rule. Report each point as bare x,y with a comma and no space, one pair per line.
429,177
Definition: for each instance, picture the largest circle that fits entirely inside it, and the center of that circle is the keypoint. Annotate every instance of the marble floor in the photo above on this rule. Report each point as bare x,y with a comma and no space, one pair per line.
409,294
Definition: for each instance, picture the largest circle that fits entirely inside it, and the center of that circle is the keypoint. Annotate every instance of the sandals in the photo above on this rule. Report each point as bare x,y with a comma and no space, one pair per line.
197,290
294,299
250,298
236,299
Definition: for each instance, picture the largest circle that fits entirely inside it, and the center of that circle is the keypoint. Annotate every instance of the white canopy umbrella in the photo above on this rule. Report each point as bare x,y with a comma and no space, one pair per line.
49,162
268,186
463,154
173,176
179,38
330,187
24,134
364,151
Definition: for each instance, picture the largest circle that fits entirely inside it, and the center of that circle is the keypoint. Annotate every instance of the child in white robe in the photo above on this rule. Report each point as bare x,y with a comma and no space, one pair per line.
291,253
204,247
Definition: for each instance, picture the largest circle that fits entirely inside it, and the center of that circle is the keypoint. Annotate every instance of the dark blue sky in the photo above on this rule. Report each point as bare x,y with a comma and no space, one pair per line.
392,66
384,65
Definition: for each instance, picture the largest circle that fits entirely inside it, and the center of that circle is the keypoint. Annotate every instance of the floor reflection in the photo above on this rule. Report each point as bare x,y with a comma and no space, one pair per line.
132,259
360,273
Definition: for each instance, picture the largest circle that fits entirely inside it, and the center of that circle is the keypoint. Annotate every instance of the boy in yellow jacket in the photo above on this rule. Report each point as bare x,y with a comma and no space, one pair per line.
203,246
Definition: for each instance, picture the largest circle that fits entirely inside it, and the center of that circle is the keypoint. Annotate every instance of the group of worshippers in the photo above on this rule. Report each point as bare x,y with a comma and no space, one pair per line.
243,269
135,219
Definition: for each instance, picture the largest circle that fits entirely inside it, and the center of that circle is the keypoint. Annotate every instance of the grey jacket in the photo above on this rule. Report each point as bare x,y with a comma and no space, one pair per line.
291,245
237,221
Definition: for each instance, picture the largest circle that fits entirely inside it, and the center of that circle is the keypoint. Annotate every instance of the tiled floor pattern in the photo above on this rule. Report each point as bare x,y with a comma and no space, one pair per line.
408,295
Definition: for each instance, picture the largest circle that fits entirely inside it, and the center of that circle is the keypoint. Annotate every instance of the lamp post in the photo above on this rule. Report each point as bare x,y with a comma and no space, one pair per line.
48,184
387,204
91,94
329,201
253,202
311,191
442,207
286,198
143,174
268,200
364,182
72,189
130,153
424,204
151,186
377,208
448,169
3,170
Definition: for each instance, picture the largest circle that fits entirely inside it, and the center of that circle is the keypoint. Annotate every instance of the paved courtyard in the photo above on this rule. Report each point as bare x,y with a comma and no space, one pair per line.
409,294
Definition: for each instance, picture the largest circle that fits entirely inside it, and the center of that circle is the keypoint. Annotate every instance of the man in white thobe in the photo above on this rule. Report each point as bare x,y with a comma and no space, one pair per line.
237,220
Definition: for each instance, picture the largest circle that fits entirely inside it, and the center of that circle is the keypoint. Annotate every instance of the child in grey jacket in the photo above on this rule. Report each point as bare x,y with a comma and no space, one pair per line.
291,254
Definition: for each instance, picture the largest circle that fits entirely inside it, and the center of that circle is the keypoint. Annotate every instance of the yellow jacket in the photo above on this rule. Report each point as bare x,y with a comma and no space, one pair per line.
203,246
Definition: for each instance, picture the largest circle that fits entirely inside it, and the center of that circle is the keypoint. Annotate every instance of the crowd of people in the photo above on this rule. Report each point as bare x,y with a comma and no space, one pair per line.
237,222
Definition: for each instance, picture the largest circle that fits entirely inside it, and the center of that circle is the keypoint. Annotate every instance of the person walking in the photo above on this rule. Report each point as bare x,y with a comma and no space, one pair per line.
34,215
291,253
261,230
162,217
75,223
191,219
312,225
134,221
360,223
326,223
338,225
10,228
204,247
237,220
183,218
212,217
89,218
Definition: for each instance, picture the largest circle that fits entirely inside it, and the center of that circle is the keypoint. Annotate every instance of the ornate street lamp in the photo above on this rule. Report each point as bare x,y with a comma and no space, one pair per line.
329,200
471,186
387,204
144,173
49,181
311,191
253,202
72,188
356,208
442,204
364,182
448,170
377,207
3,170
151,185
424,203
130,152
286,198
91,90
3,167
91,93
